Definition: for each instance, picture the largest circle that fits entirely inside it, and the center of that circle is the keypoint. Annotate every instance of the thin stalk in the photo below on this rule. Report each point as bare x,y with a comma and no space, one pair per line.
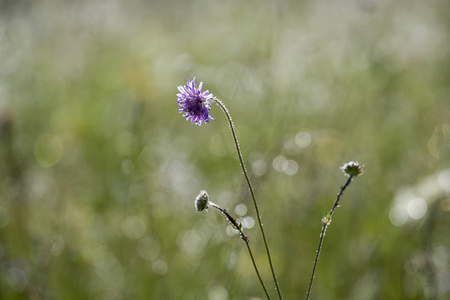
429,268
325,222
244,170
238,227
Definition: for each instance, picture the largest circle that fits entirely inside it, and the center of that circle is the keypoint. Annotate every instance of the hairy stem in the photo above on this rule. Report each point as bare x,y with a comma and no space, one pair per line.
238,227
325,222
258,215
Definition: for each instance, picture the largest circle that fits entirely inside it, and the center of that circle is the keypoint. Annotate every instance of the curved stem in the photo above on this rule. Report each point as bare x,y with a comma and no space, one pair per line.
258,215
238,227
325,222
247,242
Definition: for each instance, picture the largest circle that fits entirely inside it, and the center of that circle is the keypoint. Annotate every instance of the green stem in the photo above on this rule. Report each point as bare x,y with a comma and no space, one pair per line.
238,227
325,222
258,215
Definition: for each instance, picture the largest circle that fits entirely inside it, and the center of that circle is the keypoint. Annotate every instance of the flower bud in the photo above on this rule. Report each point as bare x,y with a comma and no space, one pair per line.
352,169
202,201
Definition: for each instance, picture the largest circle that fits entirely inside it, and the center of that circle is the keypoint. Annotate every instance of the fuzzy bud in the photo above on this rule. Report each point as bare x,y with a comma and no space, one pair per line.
202,201
352,169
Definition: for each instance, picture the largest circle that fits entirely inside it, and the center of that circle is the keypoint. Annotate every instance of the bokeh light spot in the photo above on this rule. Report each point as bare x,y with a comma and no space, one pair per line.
278,163
217,292
444,180
133,227
48,150
241,209
417,208
290,167
303,139
398,215
160,267
248,222
230,230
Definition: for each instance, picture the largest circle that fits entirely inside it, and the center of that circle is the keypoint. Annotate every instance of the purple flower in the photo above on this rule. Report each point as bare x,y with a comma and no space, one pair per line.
194,104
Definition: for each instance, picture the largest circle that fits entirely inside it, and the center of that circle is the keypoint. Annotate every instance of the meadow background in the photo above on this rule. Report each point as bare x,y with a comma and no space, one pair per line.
99,171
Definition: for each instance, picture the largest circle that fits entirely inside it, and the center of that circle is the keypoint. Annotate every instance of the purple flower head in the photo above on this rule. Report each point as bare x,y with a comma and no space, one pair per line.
194,104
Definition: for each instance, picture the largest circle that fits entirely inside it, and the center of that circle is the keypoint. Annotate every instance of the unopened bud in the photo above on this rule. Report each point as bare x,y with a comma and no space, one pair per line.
202,201
352,169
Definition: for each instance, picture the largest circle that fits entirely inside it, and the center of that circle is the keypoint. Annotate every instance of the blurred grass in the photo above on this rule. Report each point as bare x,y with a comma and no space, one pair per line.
100,172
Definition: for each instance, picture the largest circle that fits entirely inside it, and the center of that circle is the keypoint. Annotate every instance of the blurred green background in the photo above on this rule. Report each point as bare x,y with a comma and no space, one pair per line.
99,171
